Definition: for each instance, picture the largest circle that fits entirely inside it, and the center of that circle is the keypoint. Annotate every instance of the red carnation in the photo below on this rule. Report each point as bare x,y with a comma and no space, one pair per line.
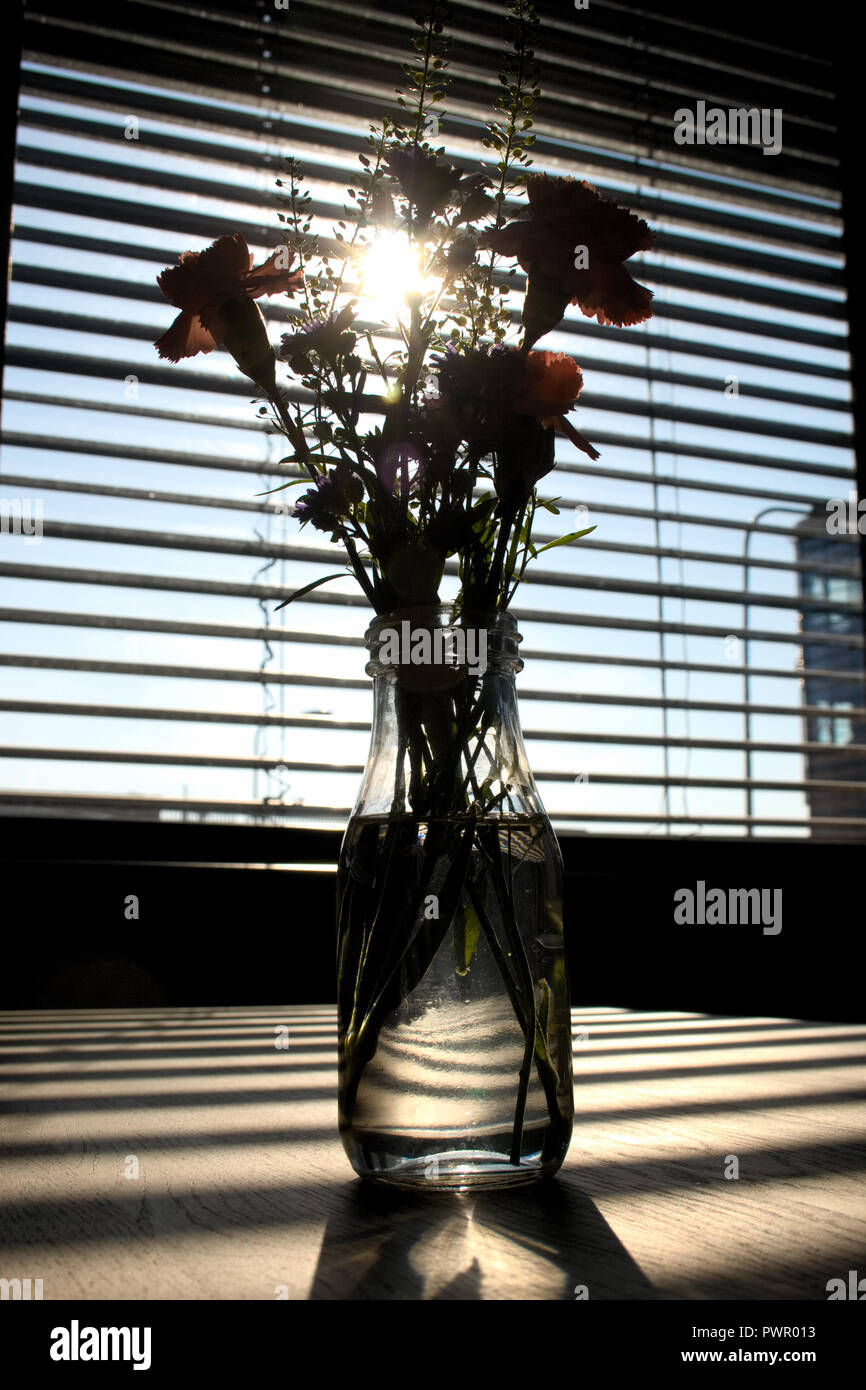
572,247
207,287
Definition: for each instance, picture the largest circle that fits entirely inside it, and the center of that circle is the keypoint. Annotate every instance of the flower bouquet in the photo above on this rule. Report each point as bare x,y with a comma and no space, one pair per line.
420,418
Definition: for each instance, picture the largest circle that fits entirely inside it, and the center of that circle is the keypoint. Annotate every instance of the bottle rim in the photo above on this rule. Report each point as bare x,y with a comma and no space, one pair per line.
498,646
445,615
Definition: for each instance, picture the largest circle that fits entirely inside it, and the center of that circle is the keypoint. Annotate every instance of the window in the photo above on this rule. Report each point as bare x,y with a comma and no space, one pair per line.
677,659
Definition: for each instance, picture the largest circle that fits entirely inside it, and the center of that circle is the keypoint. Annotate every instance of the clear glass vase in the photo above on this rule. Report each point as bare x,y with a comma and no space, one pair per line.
454,1026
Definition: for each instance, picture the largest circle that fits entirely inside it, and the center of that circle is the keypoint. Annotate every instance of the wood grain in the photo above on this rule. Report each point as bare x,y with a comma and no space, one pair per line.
243,1190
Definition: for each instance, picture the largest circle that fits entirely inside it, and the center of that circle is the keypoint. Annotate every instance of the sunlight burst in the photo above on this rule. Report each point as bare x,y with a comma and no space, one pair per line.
390,270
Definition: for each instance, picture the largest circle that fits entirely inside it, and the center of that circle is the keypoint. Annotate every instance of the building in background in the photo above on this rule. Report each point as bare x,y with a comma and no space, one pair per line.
843,690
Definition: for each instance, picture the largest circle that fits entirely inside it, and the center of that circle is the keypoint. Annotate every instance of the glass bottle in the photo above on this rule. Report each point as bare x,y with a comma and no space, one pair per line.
454,1025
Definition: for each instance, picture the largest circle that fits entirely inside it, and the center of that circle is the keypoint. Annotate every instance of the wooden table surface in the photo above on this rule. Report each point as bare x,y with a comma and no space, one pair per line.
182,1154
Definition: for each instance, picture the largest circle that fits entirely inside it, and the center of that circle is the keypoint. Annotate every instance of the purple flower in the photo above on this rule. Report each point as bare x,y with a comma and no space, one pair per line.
331,500
477,393
327,337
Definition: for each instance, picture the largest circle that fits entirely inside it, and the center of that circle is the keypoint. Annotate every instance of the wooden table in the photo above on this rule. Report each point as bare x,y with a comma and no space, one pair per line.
183,1154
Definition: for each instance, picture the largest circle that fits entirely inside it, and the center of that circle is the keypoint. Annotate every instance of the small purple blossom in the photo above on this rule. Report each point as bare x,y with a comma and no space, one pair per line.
330,501
329,337
477,391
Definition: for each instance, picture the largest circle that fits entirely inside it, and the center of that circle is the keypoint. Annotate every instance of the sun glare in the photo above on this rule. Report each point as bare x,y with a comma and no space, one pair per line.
389,271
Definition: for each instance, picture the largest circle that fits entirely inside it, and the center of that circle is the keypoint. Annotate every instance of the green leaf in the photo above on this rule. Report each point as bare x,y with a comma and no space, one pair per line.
564,540
483,508
299,593
466,936
296,482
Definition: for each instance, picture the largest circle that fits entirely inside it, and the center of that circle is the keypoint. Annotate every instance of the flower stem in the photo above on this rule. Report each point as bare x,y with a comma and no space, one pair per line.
294,432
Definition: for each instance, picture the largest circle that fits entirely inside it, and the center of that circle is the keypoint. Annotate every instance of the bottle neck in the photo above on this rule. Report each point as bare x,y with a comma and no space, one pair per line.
434,647
446,738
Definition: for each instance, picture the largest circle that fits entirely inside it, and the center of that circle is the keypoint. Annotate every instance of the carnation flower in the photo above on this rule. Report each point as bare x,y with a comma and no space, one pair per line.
553,382
213,290
484,392
572,247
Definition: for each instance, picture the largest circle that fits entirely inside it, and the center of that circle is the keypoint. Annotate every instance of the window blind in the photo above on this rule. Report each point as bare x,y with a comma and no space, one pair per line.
695,666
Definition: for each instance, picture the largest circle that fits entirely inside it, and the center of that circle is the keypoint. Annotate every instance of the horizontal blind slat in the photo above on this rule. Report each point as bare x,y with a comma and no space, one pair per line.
854,751
269,677
304,637
269,764
91,284
107,93
163,540
759,232
24,313
178,584
616,547
134,806
81,323
43,359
